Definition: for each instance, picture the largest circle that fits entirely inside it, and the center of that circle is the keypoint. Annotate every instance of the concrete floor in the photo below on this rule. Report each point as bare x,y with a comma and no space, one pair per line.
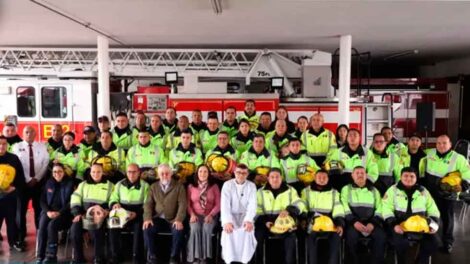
460,255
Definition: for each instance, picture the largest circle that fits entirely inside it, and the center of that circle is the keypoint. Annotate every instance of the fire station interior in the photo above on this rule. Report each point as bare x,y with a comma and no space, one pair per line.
403,64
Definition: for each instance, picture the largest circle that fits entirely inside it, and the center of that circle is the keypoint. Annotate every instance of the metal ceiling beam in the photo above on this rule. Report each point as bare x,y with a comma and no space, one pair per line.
77,62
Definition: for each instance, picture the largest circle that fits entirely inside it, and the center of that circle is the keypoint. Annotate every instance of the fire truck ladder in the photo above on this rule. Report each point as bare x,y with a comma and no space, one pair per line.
82,62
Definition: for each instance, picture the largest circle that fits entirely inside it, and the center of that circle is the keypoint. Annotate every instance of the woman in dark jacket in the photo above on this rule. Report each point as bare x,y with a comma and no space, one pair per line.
55,216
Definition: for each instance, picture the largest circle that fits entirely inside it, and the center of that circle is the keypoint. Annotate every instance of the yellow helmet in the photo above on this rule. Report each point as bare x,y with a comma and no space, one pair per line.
108,163
323,223
7,175
452,182
184,170
220,164
334,166
210,158
262,170
305,174
261,175
283,224
415,224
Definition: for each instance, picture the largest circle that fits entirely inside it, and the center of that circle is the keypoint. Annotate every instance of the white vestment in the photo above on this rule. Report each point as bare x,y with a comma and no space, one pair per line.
238,205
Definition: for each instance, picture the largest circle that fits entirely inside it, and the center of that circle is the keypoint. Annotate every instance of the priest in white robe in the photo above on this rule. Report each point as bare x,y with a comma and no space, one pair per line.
238,210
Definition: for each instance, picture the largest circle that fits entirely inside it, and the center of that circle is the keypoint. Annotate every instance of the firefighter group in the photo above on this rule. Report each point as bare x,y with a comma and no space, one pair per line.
181,189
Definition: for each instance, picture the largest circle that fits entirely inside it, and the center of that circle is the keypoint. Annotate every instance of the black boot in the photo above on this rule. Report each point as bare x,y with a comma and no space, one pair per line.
51,253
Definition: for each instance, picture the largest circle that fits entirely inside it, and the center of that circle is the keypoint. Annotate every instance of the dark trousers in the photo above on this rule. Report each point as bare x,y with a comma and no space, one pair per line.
162,226
28,194
377,245
262,233
135,226
77,241
427,246
446,207
8,205
48,234
334,242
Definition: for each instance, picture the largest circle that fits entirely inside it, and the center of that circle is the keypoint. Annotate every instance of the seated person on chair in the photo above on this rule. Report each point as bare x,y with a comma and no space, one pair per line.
55,216
129,194
362,205
277,200
412,215
203,209
89,204
237,213
325,217
164,212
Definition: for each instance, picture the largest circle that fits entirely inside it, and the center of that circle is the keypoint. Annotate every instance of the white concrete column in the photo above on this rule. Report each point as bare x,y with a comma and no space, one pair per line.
103,77
345,45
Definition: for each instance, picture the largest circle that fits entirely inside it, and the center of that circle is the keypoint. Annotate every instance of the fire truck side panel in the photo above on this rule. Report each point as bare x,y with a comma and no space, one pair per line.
43,103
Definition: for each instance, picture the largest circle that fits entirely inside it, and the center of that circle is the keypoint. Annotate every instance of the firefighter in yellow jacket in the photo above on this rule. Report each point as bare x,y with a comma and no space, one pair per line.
317,140
388,164
122,133
348,157
435,167
145,154
129,194
250,114
362,205
89,207
411,214
325,217
277,200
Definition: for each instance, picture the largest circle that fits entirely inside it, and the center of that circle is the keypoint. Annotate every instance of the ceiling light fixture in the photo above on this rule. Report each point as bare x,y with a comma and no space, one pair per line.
216,6
401,54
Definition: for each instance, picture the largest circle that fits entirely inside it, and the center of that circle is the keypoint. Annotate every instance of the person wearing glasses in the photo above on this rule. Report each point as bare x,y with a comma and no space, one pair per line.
388,163
238,211
129,194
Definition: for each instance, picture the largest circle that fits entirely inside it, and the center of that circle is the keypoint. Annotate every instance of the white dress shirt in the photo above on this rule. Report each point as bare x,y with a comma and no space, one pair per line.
40,155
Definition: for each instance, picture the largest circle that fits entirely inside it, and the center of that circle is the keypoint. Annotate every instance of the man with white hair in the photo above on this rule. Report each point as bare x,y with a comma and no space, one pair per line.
164,211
